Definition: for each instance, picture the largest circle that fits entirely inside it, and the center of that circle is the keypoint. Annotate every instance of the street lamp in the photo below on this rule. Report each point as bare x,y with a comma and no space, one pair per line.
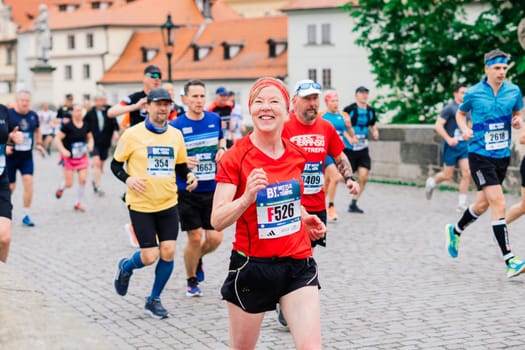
168,37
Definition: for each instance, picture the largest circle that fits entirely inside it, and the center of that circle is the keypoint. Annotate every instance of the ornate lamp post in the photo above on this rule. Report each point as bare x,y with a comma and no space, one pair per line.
168,37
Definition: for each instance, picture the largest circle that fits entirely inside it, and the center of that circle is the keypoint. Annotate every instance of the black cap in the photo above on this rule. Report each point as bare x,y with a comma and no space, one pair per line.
159,94
152,69
361,89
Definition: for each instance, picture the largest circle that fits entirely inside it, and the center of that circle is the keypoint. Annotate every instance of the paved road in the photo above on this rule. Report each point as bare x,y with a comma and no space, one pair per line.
387,281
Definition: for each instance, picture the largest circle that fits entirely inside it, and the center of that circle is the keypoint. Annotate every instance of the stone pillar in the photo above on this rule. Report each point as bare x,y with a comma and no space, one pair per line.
42,84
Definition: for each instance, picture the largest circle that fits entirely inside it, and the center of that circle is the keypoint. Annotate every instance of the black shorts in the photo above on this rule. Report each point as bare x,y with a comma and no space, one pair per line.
101,152
487,171
321,215
522,172
257,284
163,225
195,210
359,159
6,208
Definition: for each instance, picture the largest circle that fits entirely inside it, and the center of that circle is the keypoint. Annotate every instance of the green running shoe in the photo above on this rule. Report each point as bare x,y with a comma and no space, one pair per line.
452,241
515,267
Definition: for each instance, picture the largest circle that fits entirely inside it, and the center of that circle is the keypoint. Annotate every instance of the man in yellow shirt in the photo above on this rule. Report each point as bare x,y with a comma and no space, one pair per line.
153,152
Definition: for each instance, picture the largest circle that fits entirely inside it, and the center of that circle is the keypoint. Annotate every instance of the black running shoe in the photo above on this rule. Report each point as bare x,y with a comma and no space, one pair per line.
155,309
122,279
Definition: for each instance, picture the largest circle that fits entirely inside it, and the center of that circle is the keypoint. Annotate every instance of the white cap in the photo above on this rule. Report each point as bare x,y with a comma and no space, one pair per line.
306,87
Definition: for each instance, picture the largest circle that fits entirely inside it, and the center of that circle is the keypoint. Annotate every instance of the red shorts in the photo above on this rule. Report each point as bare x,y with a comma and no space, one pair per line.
76,163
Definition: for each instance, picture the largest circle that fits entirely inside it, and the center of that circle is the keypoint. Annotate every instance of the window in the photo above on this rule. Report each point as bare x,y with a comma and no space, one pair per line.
276,47
62,8
311,34
148,53
86,71
327,78
70,42
9,56
231,49
95,5
200,51
68,72
312,74
326,29
89,40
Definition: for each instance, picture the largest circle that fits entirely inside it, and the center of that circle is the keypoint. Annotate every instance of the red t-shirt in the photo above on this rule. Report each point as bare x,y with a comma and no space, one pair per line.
271,226
319,140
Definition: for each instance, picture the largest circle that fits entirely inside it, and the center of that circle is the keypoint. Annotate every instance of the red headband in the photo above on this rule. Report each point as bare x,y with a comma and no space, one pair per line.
268,81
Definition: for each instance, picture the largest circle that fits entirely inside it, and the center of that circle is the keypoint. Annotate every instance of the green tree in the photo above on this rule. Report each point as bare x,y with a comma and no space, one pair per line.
419,49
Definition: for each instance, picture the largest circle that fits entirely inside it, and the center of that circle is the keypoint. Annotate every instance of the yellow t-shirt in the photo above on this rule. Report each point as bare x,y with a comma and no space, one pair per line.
153,157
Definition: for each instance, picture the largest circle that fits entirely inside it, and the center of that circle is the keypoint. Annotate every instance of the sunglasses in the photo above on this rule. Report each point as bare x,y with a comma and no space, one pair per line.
306,86
154,75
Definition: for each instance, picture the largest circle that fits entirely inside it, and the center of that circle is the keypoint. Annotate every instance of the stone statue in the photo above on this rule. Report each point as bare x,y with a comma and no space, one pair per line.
43,35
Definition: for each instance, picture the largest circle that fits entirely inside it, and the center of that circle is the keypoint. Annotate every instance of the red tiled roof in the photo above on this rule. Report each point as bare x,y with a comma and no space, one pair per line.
135,14
315,4
252,61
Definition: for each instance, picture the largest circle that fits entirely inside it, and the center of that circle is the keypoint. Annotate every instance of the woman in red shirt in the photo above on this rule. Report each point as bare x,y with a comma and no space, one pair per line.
259,187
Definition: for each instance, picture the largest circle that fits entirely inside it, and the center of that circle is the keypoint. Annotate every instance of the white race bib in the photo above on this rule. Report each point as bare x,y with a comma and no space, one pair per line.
78,149
279,209
26,142
161,162
313,177
496,137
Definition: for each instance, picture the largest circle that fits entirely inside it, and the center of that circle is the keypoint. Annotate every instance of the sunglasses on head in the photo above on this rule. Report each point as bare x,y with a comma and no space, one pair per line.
306,86
154,75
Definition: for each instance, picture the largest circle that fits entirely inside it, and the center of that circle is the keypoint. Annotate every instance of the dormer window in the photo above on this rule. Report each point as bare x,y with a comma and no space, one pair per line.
148,53
200,51
67,7
276,47
231,49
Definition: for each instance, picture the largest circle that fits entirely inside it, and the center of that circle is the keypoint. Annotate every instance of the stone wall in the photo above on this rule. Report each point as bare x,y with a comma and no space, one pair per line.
411,153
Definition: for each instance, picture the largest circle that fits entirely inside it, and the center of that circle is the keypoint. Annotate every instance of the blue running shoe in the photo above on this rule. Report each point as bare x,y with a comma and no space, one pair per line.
155,309
122,279
200,271
515,267
26,220
192,289
452,241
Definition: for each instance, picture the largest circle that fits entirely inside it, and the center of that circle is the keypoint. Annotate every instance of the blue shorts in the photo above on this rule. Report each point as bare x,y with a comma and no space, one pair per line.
328,161
451,155
24,164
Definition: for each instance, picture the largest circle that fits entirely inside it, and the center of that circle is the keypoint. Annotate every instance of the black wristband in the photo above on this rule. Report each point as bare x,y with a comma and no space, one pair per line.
350,178
222,147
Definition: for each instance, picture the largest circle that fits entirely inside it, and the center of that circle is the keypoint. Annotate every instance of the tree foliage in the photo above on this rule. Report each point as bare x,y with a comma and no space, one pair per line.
419,49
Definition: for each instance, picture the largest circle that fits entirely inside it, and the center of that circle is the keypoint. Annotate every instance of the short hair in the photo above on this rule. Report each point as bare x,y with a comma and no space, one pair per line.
495,53
457,87
23,91
193,82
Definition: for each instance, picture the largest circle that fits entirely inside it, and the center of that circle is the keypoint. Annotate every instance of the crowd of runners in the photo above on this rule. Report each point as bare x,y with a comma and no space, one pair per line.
192,166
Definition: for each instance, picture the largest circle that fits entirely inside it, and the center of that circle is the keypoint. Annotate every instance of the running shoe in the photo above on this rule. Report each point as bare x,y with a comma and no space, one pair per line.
280,316
59,193
130,233
332,214
452,241
79,207
200,271
515,267
353,208
122,279
155,309
192,288
26,220
429,187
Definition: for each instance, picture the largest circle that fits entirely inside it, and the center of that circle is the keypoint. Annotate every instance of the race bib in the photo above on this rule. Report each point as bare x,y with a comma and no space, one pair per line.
205,170
279,209
496,137
313,177
26,144
78,149
362,142
161,162
458,135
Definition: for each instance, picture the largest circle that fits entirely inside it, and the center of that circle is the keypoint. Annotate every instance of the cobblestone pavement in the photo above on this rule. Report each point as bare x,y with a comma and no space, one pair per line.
387,280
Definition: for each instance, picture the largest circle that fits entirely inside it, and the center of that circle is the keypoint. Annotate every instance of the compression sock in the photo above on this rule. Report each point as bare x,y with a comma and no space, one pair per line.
499,227
162,274
135,262
468,218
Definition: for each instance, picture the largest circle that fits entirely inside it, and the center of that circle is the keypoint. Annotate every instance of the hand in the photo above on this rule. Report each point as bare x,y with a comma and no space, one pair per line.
452,142
136,184
8,150
219,154
256,181
65,153
516,121
192,162
142,103
314,226
17,136
191,182
354,140
467,134
41,149
353,186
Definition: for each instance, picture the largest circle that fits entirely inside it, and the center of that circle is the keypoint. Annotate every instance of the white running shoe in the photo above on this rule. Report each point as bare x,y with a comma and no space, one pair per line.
429,187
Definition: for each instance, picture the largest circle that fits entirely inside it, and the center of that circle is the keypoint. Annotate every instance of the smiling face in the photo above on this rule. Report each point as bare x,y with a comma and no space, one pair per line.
268,110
